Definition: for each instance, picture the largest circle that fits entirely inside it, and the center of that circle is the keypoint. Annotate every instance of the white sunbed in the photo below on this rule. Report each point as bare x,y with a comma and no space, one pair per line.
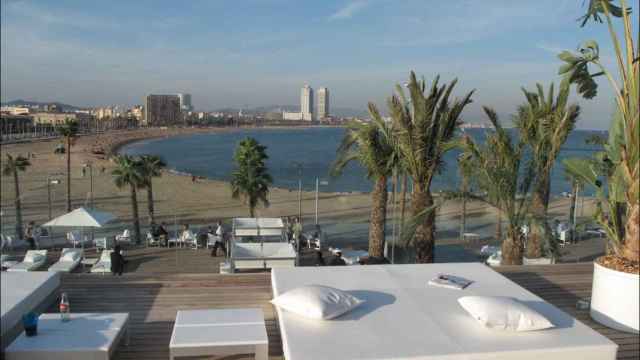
263,256
104,264
69,260
33,260
404,318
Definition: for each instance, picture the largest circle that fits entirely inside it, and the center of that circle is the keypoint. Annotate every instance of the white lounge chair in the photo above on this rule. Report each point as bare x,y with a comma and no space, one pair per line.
104,264
151,241
33,260
189,239
69,260
124,237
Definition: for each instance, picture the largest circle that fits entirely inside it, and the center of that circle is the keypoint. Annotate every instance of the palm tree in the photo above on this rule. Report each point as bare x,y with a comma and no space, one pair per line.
544,122
68,130
371,144
128,172
499,171
151,166
12,167
619,164
250,180
425,128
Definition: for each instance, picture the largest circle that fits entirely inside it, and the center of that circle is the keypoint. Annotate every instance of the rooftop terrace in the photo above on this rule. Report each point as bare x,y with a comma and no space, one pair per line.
163,281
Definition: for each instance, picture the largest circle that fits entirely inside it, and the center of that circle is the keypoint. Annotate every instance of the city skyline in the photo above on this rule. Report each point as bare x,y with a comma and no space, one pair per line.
84,53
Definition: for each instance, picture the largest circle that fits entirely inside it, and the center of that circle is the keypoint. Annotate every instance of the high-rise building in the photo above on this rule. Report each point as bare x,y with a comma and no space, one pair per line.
306,103
323,103
185,102
162,110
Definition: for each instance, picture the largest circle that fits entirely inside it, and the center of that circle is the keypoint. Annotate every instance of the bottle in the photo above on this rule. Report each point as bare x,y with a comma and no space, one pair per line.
64,308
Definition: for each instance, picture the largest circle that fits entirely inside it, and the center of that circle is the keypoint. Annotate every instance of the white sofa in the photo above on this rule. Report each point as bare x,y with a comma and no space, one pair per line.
69,260
263,256
33,260
104,263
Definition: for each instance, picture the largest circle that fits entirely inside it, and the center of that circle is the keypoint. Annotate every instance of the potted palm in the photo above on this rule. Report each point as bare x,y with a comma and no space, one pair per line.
614,173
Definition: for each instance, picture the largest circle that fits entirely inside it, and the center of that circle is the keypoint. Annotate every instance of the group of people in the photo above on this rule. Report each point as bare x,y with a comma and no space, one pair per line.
160,233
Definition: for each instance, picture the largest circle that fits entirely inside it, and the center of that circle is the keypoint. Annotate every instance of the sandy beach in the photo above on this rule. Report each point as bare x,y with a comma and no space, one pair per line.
179,200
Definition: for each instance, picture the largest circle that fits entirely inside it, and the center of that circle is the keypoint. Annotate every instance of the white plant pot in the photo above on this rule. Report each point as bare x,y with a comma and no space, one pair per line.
615,299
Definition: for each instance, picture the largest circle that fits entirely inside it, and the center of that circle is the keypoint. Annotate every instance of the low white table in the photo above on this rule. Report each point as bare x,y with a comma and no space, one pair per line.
219,332
86,336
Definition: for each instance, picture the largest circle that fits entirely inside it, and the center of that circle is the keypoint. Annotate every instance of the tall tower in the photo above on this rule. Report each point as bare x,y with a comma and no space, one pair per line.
185,102
323,103
306,103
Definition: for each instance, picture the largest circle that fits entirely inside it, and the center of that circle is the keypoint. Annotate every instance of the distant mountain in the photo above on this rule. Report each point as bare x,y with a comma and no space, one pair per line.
29,103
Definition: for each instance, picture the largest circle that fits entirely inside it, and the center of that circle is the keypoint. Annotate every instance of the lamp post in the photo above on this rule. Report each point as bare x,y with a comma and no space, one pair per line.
50,182
298,165
318,183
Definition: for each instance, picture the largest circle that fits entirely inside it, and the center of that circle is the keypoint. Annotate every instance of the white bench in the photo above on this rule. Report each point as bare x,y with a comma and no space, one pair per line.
221,332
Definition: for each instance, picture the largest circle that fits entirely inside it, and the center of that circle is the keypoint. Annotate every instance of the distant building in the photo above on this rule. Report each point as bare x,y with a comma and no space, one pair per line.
323,103
11,124
294,116
306,103
137,112
162,110
14,110
185,102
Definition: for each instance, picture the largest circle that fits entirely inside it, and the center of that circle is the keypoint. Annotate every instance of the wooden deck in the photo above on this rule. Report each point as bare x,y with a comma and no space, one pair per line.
159,286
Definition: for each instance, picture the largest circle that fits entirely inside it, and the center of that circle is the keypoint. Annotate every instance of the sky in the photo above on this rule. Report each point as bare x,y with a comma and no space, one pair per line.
248,53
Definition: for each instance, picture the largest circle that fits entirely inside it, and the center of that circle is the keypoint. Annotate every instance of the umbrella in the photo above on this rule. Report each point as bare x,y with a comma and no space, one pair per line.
82,218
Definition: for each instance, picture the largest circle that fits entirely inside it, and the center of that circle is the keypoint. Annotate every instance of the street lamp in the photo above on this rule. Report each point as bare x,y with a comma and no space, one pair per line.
50,182
298,165
90,166
318,183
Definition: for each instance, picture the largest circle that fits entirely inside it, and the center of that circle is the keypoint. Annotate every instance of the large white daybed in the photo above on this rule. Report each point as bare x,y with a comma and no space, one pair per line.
404,318
260,243
69,260
22,292
33,260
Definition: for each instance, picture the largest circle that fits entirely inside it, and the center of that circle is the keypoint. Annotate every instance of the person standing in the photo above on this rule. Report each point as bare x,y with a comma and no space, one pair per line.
29,235
117,261
297,233
163,234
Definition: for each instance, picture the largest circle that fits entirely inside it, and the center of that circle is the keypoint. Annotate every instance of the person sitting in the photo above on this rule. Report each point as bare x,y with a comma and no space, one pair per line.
187,235
337,260
117,261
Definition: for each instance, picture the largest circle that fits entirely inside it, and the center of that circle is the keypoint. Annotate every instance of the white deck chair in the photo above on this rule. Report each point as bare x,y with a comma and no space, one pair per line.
33,260
188,238
124,237
69,260
103,265
151,241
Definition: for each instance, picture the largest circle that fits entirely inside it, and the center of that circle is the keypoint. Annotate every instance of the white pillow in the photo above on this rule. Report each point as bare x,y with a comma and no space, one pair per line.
70,255
317,302
504,313
33,257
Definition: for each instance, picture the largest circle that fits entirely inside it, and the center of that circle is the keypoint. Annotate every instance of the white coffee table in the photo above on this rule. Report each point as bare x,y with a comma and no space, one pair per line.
86,336
219,332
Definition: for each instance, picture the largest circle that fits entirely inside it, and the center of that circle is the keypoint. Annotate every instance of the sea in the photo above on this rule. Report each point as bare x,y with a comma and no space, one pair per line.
211,156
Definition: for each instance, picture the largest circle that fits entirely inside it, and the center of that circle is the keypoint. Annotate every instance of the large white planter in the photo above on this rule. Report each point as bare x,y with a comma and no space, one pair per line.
615,299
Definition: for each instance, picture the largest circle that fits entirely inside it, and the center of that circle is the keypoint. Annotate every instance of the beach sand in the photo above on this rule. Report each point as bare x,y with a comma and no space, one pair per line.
179,200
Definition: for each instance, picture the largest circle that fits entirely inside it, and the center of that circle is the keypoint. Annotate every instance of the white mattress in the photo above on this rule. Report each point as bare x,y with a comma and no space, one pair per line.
22,292
403,318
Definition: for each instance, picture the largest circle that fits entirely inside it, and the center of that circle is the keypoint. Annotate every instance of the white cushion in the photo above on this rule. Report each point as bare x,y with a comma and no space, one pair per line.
70,255
317,302
32,256
504,313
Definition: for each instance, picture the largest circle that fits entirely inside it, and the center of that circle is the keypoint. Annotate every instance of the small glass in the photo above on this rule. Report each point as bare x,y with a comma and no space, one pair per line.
30,323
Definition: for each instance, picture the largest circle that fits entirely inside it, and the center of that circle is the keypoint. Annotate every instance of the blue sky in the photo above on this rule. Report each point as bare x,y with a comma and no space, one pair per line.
260,52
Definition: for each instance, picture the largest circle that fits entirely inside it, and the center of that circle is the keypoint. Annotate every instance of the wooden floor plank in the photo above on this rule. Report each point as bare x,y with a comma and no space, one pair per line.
157,287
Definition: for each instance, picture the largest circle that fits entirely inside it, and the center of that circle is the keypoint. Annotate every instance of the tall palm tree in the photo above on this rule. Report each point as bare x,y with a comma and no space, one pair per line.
425,127
371,144
499,171
544,122
251,180
128,173
68,130
151,166
13,166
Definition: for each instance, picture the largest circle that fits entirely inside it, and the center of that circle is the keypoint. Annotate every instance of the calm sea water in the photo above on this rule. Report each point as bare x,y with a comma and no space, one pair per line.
211,155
